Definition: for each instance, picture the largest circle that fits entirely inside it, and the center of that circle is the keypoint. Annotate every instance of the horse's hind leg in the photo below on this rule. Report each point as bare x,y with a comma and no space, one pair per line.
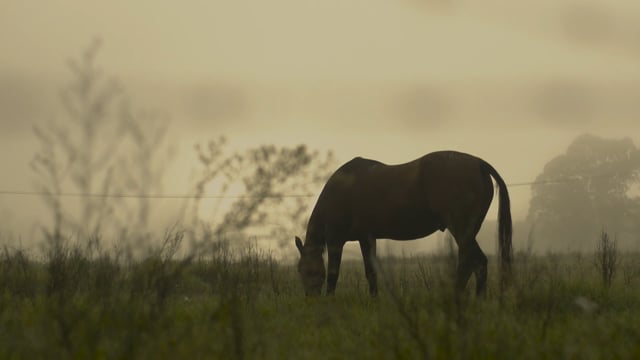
480,265
471,259
368,249
464,270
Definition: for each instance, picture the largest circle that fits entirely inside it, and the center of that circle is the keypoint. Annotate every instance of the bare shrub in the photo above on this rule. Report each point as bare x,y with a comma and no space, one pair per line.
269,185
630,270
606,258
17,274
66,265
99,150
159,274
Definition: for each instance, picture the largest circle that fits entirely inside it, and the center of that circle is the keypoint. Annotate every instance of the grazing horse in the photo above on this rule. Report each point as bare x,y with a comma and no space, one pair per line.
365,200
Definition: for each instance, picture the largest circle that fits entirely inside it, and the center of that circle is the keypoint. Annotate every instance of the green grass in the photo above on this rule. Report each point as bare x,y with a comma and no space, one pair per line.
224,307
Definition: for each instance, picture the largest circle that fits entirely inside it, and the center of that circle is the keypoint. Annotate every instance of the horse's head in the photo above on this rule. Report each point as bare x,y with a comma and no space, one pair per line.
311,268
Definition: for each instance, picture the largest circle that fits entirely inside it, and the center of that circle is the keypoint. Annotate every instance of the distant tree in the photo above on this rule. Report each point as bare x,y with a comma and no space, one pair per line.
98,149
267,187
593,186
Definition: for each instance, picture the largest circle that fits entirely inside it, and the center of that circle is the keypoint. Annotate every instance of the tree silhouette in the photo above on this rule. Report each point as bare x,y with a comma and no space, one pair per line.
588,188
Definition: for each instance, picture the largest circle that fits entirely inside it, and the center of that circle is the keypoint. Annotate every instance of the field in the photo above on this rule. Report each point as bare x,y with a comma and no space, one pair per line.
226,305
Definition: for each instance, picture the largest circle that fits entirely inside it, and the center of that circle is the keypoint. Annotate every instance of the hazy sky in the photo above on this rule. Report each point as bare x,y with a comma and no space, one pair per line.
391,80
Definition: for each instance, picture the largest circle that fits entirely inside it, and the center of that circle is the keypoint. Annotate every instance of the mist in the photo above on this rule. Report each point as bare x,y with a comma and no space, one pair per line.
387,80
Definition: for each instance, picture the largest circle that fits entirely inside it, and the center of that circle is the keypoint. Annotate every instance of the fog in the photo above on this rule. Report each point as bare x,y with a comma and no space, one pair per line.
390,80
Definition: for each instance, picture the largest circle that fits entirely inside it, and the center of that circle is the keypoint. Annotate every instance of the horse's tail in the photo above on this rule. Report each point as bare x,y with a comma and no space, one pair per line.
505,227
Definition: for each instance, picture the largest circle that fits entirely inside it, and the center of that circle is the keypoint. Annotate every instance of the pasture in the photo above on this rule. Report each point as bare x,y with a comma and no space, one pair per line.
235,305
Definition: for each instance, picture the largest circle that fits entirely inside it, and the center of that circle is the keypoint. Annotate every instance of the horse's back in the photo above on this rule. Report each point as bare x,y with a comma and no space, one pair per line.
458,184
448,175
437,172
437,176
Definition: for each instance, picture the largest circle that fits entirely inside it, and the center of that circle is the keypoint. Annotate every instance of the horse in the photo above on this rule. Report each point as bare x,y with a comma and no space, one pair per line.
365,200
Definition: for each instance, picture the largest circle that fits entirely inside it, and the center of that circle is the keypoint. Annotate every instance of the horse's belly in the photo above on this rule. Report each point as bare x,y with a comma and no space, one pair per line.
407,233
405,227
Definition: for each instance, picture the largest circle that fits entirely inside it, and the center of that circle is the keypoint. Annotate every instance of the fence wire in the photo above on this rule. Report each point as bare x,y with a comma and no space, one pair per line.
279,196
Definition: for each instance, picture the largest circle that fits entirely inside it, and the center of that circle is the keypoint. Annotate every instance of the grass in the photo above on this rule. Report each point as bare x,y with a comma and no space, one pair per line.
222,305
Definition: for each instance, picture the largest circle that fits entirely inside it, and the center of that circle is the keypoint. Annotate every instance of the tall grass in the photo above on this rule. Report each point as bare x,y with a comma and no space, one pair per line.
215,301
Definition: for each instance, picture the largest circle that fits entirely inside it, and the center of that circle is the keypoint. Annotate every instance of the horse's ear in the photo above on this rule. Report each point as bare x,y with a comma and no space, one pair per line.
299,244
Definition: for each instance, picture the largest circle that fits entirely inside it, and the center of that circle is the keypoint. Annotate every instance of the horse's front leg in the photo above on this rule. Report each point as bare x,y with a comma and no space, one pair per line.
368,249
335,257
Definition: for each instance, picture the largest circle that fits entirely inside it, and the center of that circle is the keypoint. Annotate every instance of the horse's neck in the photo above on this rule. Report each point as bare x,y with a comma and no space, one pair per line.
315,239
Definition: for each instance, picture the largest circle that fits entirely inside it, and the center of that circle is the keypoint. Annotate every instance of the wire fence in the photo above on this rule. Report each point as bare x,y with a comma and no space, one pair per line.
279,196
150,196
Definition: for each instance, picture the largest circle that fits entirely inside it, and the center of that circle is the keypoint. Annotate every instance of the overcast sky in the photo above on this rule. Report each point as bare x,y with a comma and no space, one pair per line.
385,79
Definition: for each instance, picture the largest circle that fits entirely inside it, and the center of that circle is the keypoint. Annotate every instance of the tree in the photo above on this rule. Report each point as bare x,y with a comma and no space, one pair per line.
97,150
268,187
102,149
593,186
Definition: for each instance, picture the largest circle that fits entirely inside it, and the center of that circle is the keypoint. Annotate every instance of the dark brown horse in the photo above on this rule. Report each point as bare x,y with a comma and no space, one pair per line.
365,200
